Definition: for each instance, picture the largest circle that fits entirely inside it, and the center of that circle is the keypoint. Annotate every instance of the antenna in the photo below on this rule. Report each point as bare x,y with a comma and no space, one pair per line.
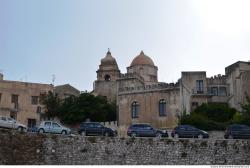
53,79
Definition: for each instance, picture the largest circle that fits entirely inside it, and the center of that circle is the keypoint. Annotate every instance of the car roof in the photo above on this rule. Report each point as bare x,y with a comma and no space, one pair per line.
140,124
238,125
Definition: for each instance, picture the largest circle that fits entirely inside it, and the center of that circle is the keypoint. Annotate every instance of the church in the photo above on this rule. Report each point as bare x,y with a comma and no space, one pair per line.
141,98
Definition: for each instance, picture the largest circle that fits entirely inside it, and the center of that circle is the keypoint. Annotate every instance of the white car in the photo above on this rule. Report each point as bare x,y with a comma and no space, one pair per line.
8,122
53,127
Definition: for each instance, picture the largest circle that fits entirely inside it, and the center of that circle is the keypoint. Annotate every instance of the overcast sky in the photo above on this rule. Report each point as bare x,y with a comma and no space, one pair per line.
68,38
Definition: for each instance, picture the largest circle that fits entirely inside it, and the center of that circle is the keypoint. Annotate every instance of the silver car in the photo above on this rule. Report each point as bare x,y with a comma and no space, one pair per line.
53,127
8,122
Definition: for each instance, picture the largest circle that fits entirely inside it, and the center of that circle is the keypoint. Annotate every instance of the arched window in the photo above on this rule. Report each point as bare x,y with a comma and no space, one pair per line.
162,107
107,77
135,110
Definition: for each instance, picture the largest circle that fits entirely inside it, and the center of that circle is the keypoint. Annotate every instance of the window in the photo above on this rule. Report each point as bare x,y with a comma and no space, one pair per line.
56,125
47,124
199,86
38,109
135,110
215,91
222,91
34,100
14,98
0,97
162,107
3,118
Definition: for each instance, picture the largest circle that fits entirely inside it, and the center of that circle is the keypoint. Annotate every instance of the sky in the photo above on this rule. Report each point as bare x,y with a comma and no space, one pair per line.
68,38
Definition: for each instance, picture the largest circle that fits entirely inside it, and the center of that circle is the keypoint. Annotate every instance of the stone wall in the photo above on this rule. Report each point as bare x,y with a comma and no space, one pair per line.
17,148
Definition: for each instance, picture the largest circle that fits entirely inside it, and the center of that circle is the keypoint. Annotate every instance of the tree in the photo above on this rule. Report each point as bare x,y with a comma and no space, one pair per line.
245,118
51,104
87,106
213,116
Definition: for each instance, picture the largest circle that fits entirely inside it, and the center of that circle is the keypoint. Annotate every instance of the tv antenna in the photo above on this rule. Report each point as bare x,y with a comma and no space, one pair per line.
53,79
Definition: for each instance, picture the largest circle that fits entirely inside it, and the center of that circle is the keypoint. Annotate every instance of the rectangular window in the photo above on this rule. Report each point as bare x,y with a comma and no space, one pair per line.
0,97
34,100
38,109
215,91
222,91
14,98
200,86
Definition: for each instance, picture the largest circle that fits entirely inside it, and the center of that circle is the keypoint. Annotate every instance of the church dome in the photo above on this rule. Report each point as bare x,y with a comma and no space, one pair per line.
108,59
142,59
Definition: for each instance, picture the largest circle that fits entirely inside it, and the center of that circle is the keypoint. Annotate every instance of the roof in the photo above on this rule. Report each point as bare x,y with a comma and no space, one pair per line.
142,59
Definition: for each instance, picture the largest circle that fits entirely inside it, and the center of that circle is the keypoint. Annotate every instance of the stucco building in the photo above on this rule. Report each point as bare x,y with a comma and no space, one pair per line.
20,100
141,98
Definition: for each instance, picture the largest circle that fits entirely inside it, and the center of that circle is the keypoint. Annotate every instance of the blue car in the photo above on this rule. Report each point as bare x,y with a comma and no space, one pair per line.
53,127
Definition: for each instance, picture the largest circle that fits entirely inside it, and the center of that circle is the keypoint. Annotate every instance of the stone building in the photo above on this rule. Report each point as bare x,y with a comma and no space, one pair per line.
141,98
232,88
66,90
20,100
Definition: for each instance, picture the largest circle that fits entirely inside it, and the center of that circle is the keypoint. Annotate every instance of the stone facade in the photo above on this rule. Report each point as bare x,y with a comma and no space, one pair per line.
139,94
66,90
20,100
232,88
35,149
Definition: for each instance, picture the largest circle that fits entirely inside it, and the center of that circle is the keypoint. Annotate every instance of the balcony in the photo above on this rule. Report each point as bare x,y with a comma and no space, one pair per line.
200,91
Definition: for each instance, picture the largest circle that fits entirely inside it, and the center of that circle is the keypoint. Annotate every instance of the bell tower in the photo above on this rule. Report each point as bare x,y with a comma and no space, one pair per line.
107,74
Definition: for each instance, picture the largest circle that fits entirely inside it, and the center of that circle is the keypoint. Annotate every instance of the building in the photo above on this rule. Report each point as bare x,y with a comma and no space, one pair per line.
64,91
232,88
141,98
20,100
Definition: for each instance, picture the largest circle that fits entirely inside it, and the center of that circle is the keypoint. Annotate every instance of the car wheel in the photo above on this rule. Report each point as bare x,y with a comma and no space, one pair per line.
64,132
106,134
230,137
83,133
158,135
41,131
20,129
176,136
133,135
200,136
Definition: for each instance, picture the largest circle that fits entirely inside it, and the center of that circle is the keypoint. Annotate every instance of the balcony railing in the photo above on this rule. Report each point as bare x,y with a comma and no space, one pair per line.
208,91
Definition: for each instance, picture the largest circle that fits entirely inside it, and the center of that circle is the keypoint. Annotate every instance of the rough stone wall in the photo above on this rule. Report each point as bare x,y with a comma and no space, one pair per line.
36,149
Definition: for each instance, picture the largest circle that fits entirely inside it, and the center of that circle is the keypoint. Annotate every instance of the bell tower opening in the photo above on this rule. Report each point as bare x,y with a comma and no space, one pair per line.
107,77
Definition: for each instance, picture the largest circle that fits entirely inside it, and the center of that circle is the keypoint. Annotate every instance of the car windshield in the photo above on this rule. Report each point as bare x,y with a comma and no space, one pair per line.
11,119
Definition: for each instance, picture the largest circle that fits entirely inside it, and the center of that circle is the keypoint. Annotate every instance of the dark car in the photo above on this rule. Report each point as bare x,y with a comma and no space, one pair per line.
95,128
237,131
145,130
188,131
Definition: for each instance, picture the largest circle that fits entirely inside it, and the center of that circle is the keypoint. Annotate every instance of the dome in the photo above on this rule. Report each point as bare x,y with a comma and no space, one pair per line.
108,60
142,59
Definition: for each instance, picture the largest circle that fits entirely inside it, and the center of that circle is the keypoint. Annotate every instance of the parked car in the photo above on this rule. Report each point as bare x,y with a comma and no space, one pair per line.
145,130
8,122
188,131
53,127
237,131
95,128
